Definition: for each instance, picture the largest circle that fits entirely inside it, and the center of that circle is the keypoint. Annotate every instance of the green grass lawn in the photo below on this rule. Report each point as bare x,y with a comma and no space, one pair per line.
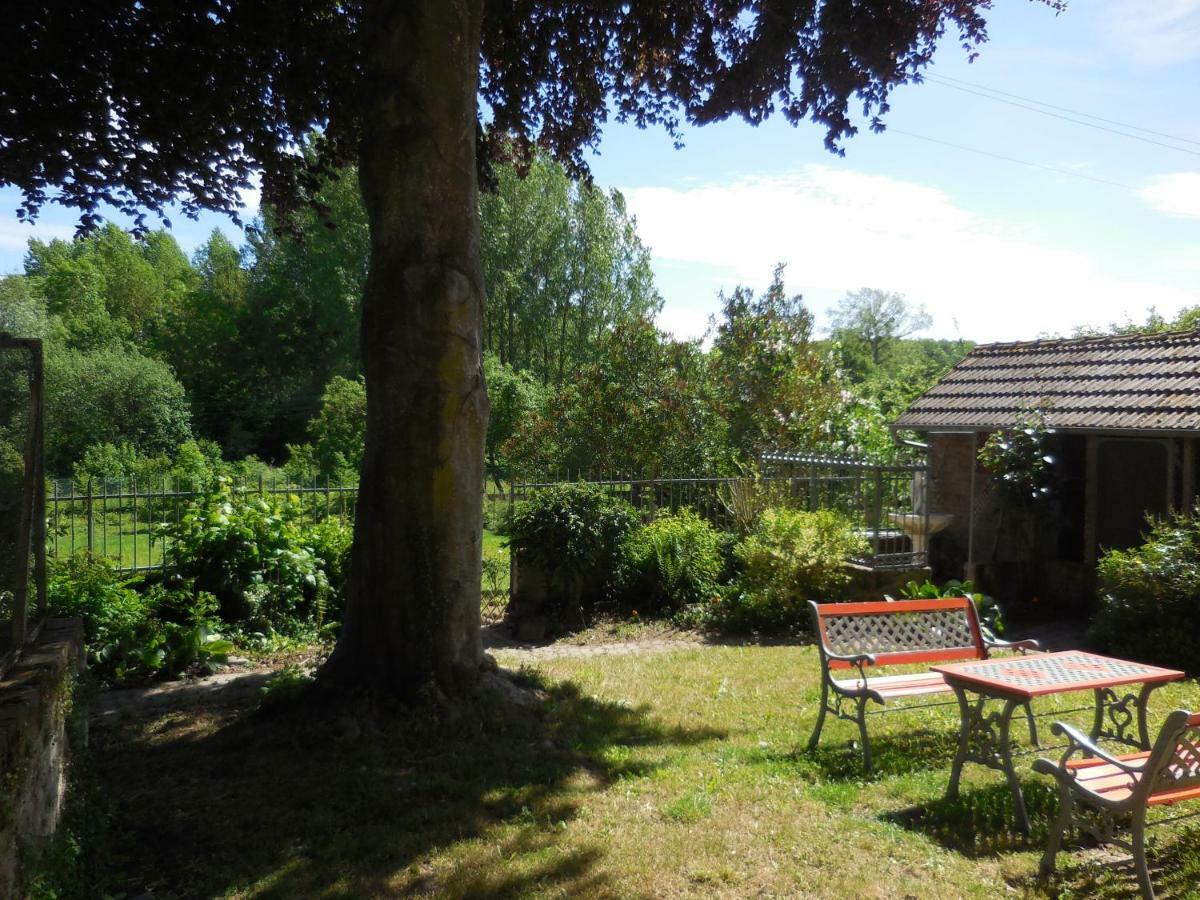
493,544
678,774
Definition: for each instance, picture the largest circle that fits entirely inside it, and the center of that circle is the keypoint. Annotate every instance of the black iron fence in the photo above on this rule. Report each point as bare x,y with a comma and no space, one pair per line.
124,520
885,503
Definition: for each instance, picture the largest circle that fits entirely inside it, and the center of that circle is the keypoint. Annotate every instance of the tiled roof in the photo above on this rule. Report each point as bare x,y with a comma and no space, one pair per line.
1142,382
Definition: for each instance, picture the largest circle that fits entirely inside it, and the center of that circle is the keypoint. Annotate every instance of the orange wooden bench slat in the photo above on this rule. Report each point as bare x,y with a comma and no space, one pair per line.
1088,762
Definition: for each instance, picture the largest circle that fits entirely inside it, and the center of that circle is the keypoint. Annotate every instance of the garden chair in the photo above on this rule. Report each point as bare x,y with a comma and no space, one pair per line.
1100,792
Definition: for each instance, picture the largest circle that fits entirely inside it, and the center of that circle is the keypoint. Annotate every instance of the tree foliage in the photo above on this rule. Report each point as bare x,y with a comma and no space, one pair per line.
875,320
110,396
139,105
638,409
563,264
772,387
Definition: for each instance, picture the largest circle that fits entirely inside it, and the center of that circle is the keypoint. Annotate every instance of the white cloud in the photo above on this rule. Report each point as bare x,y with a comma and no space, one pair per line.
839,230
1176,194
1155,32
682,322
15,235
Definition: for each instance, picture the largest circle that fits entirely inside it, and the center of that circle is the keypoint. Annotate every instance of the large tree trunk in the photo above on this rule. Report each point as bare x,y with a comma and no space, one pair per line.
412,617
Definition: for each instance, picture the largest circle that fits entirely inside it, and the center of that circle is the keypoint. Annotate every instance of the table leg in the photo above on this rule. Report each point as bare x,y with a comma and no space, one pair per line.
1143,701
1006,764
1115,715
984,738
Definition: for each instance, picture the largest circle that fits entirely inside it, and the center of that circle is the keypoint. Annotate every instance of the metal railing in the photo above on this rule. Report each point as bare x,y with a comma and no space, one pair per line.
123,519
884,503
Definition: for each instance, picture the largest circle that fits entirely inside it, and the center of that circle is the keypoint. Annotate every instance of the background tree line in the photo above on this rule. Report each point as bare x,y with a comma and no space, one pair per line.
253,350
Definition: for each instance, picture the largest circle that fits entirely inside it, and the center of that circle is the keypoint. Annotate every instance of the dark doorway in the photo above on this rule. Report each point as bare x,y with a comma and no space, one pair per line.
1131,481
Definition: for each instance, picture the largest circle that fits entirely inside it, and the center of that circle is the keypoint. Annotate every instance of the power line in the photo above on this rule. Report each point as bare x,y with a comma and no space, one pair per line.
1012,159
1075,112
1054,115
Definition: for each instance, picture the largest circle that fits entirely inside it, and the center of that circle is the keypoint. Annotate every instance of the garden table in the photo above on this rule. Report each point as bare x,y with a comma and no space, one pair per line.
983,736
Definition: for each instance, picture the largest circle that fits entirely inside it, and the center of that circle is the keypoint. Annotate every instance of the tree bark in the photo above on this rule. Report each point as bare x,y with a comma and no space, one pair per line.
412,617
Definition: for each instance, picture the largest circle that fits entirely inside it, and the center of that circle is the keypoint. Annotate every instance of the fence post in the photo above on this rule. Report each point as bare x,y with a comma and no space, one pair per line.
878,510
87,506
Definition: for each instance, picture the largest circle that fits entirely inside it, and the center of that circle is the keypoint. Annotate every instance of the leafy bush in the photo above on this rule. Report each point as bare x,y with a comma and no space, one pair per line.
111,396
672,562
574,533
991,616
330,541
157,649
339,429
571,527
1150,597
131,636
90,587
253,555
789,558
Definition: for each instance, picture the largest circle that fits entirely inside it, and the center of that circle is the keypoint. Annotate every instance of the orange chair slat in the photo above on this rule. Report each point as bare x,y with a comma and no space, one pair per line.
1166,798
1089,761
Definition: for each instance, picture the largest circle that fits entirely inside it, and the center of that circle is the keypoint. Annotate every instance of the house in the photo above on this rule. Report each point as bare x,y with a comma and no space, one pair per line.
1125,414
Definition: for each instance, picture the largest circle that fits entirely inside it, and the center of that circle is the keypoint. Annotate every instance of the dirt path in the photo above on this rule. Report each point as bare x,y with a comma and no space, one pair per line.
235,687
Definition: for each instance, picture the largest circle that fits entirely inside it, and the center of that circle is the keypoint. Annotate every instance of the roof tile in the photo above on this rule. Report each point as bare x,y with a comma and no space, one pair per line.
1134,382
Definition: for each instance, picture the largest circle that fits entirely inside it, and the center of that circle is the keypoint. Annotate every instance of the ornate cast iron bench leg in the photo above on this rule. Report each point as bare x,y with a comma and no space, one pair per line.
862,730
816,735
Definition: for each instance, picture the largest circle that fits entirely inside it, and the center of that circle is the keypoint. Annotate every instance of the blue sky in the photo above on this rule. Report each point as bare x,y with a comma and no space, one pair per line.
995,250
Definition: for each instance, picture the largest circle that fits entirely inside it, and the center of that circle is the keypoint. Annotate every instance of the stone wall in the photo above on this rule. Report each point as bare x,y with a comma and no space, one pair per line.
35,698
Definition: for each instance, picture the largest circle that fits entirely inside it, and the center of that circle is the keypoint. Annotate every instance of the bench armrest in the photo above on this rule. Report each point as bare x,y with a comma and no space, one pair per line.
854,659
991,642
1078,741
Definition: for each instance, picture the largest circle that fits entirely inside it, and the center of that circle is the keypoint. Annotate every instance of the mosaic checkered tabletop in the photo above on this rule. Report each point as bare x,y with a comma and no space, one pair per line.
984,734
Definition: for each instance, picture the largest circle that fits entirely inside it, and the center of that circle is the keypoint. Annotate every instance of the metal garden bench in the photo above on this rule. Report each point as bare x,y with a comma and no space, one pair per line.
1116,789
895,632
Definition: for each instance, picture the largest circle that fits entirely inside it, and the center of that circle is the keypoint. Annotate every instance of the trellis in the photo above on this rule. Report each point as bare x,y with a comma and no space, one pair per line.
22,497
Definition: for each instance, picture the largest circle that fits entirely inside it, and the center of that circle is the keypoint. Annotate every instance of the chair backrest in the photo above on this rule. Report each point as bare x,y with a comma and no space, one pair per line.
901,631
1174,763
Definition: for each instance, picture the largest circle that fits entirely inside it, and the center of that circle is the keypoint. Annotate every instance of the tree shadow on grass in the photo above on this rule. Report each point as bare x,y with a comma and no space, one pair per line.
320,797
983,821
893,754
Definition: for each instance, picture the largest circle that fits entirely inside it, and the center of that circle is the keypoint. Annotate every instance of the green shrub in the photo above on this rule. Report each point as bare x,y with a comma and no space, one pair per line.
575,527
131,636
574,532
991,616
670,563
1150,597
789,558
330,541
90,587
253,554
